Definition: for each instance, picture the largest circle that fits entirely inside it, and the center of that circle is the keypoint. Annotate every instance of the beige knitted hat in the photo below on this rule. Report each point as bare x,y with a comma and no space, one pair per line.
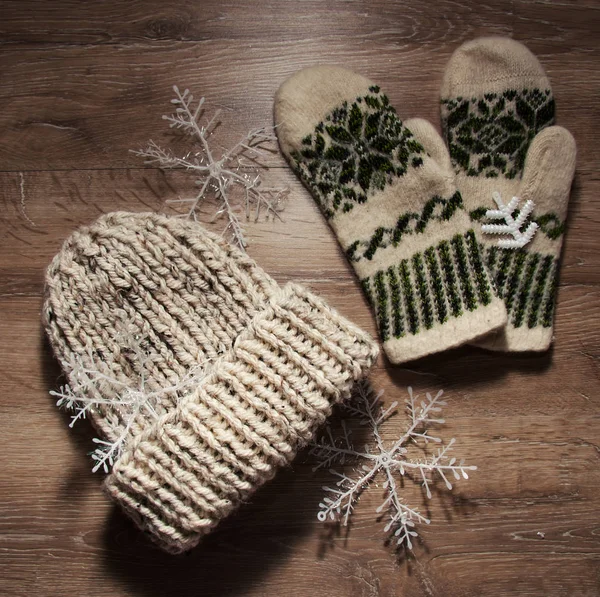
394,208
497,113
274,361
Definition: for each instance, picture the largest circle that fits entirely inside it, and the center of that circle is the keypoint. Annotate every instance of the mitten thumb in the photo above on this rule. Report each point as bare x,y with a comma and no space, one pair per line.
549,170
424,132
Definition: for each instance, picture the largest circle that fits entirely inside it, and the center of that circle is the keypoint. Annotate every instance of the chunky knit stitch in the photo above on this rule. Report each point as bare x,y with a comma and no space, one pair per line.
276,360
498,115
394,208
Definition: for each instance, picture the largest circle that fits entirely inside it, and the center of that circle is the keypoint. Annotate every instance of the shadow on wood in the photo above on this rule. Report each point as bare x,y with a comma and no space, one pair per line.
237,555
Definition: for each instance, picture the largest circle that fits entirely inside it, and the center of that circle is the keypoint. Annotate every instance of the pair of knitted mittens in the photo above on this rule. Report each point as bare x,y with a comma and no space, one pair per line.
147,299
408,210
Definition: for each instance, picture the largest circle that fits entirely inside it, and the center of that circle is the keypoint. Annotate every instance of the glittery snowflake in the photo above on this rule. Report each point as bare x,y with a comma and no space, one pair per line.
232,176
92,380
389,462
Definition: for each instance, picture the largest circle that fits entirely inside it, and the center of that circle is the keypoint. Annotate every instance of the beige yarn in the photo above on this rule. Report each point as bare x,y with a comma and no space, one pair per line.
405,231
276,360
491,80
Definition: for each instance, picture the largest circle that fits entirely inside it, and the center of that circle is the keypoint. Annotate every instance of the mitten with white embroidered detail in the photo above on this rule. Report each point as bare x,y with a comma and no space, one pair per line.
394,208
514,170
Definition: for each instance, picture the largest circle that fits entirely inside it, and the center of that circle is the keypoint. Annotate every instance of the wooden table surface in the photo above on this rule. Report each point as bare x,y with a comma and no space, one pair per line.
82,83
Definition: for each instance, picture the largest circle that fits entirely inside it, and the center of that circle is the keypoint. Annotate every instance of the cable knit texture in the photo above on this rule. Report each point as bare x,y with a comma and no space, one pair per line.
275,362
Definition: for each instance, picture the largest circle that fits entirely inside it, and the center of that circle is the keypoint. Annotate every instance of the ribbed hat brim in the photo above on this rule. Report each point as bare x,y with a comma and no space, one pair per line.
256,406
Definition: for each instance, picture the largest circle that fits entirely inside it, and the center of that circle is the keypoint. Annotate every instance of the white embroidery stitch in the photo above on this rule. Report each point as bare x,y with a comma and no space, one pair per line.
513,227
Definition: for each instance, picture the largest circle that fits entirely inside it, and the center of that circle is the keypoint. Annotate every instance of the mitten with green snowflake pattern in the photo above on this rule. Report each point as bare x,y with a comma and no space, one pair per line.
395,211
497,115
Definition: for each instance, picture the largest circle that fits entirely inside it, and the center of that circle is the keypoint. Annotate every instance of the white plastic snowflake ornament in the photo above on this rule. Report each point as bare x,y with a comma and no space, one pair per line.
387,461
92,379
512,227
232,176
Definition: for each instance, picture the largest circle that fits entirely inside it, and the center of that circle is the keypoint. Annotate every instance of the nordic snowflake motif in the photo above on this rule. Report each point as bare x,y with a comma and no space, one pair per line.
512,227
389,462
232,177
92,381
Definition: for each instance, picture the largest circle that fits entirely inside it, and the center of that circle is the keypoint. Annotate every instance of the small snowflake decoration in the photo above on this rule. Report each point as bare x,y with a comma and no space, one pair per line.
388,462
92,379
232,177
513,226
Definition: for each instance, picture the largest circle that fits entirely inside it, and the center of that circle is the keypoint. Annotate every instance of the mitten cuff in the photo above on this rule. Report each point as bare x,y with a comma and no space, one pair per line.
439,298
521,339
527,283
451,334
257,405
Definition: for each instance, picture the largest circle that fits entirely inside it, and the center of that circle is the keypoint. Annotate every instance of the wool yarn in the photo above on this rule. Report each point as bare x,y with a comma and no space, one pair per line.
498,113
394,208
275,359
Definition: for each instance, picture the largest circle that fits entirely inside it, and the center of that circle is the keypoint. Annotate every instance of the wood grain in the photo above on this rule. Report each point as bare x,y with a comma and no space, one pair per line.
81,85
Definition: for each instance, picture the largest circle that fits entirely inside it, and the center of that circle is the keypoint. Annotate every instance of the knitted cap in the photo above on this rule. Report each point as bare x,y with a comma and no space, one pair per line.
274,360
